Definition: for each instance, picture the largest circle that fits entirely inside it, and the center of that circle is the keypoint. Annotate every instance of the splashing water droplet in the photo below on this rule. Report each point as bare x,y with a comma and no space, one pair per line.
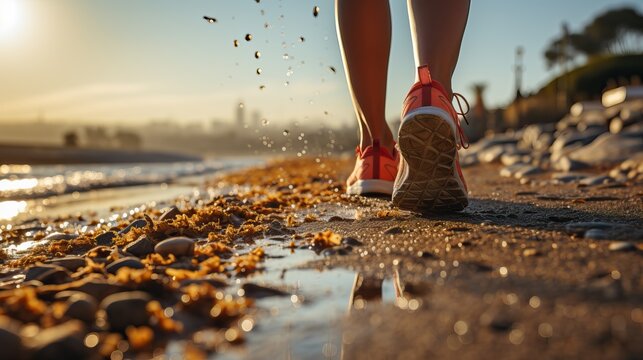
285,56
287,83
257,54
241,105
236,43
211,20
316,11
332,68
261,87
286,132
259,71
265,122
248,37
302,39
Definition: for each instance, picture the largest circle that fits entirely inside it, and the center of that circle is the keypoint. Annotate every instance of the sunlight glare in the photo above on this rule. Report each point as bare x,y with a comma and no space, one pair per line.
11,209
9,16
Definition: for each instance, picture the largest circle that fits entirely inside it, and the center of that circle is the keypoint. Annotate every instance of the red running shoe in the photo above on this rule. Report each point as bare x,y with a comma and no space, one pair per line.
430,178
374,172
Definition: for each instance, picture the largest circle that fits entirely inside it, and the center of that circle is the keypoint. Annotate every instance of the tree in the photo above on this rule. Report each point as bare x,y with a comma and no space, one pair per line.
617,31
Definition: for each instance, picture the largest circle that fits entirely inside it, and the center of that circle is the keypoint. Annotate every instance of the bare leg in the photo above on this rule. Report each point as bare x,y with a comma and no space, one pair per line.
364,28
437,27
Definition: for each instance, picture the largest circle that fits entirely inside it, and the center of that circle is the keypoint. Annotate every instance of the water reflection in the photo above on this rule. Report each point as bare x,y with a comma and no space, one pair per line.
11,209
18,184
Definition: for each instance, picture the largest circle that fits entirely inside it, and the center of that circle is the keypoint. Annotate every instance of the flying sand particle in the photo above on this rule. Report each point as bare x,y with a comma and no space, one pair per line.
316,11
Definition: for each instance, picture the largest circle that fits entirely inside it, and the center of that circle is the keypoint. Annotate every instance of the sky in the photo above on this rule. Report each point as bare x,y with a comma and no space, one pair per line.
131,61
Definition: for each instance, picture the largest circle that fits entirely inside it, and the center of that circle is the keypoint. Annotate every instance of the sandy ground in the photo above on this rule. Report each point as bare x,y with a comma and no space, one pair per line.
514,276
503,279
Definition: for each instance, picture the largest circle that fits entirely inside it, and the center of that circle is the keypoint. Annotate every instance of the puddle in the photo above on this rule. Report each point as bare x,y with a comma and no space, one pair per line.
309,319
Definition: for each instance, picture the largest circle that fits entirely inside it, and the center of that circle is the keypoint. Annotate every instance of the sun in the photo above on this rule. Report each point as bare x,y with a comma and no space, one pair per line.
9,16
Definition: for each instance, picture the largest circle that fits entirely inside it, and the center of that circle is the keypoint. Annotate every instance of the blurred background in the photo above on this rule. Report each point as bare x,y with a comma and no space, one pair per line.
87,82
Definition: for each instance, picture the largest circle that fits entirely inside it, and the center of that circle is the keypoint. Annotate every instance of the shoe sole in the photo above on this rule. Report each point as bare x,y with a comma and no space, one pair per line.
430,182
371,187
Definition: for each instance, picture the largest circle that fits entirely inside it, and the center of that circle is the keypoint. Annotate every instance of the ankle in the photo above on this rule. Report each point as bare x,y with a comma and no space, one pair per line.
386,142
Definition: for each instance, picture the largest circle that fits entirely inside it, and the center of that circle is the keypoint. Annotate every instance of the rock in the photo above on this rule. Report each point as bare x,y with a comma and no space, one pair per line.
170,213
469,160
105,239
510,170
580,228
48,274
97,287
596,234
566,164
393,230
622,246
610,149
351,241
277,228
10,340
60,236
512,159
564,178
527,170
129,262
494,153
426,254
71,263
596,180
142,247
139,224
336,250
81,307
63,341
126,309
178,246
260,292
570,140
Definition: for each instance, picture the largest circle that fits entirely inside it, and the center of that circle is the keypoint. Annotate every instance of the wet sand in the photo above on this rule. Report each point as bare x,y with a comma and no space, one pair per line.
512,276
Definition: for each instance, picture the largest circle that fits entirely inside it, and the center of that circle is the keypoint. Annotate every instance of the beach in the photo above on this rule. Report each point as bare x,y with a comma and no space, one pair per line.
274,260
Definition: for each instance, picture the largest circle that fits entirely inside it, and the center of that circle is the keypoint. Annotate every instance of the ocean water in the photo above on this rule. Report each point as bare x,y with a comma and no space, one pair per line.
26,189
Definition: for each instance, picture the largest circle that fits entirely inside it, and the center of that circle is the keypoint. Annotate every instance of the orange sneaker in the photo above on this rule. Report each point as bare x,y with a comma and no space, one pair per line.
430,178
374,172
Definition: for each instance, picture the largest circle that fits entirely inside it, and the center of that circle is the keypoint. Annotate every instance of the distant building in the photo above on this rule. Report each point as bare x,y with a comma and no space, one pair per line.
241,114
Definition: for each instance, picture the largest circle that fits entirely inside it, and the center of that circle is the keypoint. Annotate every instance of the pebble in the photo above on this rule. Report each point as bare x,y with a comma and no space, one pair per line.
81,307
426,254
129,262
582,227
566,164
596,180
530,252
60,236
126,309
351,241
63,341
596,234
393,230
71,263
48,274
622,246
260,292
178,246
527,170
170,213
142,247
337,250
105,239
140,223
564,178
10,340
